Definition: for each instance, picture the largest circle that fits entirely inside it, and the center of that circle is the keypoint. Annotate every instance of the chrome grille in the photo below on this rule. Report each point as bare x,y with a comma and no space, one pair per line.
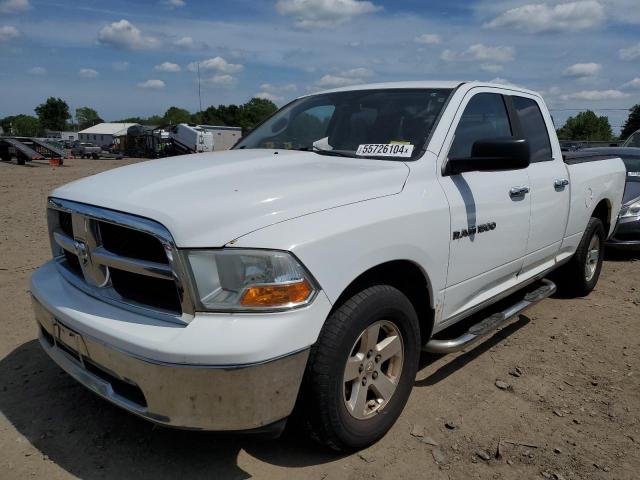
120,258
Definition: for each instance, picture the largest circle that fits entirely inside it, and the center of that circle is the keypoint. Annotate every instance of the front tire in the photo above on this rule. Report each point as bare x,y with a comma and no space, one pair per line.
580,276
362,369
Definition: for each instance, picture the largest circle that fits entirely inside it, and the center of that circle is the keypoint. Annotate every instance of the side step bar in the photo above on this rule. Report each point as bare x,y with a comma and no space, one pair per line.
490,323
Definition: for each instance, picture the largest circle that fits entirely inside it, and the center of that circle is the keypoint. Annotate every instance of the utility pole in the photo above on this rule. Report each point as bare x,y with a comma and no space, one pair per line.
199,94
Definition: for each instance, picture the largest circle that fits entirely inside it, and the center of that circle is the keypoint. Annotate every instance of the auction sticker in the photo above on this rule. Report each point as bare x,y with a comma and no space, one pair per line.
385,150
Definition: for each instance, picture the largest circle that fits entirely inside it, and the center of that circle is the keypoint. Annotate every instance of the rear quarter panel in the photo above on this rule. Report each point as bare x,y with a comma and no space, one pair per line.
592,182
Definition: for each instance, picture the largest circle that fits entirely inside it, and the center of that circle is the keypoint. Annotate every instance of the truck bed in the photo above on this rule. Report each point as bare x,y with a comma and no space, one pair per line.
571,158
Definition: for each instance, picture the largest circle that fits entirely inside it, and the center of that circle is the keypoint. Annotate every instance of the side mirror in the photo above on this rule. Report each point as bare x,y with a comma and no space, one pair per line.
492,154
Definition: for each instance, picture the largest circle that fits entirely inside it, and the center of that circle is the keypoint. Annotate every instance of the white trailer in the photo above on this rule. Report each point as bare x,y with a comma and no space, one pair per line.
223,137
190,138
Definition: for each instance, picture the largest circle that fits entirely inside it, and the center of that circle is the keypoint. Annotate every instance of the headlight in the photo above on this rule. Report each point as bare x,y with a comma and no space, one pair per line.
631,209
237,280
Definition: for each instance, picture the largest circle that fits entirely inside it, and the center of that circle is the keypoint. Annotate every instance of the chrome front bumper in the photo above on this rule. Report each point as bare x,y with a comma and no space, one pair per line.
199,397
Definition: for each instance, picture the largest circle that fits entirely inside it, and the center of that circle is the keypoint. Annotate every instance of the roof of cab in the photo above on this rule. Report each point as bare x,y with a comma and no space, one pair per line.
427,84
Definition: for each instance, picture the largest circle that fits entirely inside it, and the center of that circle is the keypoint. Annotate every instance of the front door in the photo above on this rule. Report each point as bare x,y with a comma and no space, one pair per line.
489,210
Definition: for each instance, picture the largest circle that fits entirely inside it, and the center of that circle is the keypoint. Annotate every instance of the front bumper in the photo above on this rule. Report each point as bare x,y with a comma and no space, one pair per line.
222,372
195,397
626,234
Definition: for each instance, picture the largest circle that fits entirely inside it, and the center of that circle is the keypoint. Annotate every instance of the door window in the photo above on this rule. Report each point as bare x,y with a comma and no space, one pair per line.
533,128
485,116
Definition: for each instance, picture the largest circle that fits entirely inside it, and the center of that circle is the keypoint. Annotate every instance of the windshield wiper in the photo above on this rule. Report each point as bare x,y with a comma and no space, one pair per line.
333,153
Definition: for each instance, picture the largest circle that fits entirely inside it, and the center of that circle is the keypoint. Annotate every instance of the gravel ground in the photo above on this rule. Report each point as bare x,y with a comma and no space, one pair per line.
554,394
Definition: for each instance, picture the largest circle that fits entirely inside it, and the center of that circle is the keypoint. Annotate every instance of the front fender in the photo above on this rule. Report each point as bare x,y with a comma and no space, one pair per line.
340,244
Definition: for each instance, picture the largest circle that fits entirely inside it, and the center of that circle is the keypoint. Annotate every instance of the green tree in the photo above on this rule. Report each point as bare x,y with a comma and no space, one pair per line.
633,122
586,126
53,114
177,115
153,120
139,120
87,117
254,111
246,116
25,126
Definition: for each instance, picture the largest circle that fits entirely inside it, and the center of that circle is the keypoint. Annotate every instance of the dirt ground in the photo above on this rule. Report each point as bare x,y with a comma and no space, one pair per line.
571,410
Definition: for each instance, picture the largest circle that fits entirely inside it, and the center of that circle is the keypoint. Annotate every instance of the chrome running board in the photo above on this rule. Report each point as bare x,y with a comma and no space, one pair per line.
489,324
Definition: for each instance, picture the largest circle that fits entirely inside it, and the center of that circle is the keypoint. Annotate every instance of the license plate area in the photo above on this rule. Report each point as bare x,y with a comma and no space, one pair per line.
59,335
68,340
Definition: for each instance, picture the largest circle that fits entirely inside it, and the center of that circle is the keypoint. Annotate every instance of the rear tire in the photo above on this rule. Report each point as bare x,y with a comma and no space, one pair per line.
580,275
362,369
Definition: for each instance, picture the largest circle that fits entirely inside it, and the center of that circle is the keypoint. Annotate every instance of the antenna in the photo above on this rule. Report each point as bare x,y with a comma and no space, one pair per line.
199,94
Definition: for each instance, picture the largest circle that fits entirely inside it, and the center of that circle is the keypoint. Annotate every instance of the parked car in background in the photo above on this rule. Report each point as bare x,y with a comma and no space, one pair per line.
571,146
627,232
633,140
309,265
86,150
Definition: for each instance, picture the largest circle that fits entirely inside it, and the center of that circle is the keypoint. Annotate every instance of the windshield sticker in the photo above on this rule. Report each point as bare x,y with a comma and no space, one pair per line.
385,150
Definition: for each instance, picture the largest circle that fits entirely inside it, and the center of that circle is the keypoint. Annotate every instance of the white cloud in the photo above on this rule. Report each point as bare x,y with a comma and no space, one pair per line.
630,53
344,78
428,39
635,83
448,55
218,64
552,91
270,87
124,34
357,72
582,70
595,95
167,67
37,71
185,42
173,3
333,81
542,17
12,6
88,73
323,13
8,32
491,67
482,53
494,54
502,81
152,84
268,96
224,80
120,66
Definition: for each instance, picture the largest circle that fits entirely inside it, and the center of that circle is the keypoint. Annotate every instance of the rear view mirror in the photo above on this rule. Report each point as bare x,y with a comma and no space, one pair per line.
492,154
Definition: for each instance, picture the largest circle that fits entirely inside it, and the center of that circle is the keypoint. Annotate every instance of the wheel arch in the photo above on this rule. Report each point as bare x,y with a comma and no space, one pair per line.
604,214
406,276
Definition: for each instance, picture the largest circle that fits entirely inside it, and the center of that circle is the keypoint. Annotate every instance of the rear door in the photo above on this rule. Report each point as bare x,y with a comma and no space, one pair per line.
549,183
490,225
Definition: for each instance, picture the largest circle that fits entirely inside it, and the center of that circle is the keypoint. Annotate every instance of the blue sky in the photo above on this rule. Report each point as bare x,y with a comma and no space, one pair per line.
127,58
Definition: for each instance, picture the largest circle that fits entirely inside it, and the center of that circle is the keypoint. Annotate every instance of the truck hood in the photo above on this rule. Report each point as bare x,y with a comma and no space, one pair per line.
209,199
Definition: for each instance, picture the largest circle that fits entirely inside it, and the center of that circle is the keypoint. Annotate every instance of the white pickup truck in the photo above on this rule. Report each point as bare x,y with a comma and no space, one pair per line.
309,266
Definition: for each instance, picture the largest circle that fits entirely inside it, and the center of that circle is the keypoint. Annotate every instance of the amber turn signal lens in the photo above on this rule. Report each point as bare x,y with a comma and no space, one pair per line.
276,295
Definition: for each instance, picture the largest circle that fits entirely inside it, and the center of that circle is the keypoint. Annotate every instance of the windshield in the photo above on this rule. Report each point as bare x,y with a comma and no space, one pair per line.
365,123
633,140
